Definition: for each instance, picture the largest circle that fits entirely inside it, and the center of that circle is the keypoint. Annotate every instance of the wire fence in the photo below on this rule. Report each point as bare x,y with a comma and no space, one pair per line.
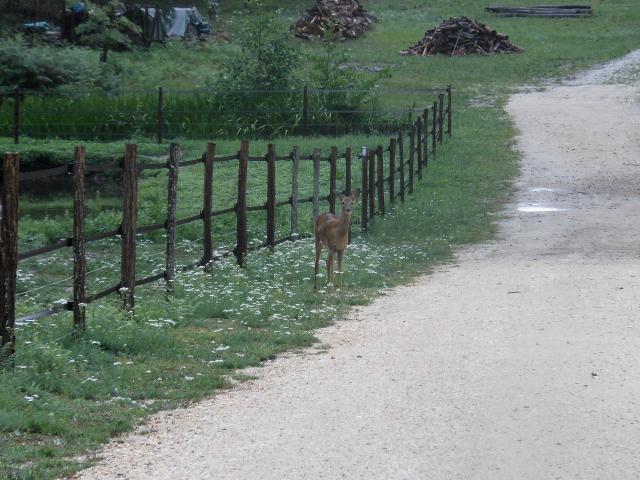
166,114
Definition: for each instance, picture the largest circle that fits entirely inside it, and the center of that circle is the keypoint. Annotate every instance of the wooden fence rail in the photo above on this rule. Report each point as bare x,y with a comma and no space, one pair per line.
386,173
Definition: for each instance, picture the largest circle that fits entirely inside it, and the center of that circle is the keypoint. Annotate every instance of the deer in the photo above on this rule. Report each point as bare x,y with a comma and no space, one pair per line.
333,232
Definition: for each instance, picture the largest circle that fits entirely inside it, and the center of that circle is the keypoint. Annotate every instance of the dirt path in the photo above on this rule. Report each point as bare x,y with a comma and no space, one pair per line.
519,362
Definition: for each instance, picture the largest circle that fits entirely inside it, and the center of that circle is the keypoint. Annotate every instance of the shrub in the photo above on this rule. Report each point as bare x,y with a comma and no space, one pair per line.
267,61
37,68
106,29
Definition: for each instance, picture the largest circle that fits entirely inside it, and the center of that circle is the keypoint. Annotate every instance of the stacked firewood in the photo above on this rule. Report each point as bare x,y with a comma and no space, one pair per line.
337,19
462,36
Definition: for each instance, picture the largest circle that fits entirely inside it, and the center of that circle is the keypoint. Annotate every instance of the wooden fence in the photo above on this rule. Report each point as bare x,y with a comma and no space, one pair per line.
387,174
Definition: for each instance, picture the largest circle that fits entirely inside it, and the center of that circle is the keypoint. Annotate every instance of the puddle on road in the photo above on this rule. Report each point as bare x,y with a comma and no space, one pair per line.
542,190
537,208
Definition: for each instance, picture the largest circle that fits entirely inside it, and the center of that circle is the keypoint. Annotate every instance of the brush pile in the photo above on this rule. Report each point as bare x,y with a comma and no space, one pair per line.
340,19
462,36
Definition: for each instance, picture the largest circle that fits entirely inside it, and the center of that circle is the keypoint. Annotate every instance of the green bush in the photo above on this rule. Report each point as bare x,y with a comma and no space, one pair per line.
37,68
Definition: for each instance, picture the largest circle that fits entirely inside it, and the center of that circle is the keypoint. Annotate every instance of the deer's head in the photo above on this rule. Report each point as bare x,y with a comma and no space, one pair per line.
348,201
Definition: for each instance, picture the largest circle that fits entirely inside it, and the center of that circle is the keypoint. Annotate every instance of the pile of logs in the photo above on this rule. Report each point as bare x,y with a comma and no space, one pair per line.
462,36
339,19
543,11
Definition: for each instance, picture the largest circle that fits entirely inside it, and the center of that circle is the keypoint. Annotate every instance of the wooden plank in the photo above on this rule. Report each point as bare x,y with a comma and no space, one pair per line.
172,205
392,170
129,225
449,113
419,144
67,242
401,159
434,128
347,171
271,195
316,184
207,204
425,139
241,205
79,255
9,250
333,174
372,183
380,173
347,181
295,169
364,218
412,148
46,173
441,117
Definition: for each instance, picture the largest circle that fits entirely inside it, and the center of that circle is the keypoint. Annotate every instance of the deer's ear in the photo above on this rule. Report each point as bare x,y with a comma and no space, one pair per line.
338,194
355,195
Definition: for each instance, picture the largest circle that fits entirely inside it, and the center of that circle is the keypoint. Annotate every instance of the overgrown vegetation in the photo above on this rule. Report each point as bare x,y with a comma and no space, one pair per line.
105,29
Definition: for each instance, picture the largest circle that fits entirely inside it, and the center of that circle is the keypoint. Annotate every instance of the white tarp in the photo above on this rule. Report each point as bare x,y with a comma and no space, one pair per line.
181,18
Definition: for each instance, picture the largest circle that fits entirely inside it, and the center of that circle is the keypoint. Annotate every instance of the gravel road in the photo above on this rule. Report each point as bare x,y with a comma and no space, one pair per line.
518,361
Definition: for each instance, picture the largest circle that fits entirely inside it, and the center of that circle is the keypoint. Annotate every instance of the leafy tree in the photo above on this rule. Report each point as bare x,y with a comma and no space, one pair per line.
106,28
37,68
267,58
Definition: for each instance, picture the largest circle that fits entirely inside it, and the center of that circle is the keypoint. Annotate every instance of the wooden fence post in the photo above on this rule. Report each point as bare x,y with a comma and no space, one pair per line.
347,180
364,158
380,155
333,164
316,185
392,170
241,205
207,204
170,225
425,130
79,255
16,117
419,143
401,155
434,128
160,119
129,225
412,148
305,111
347,171
372,183
271,195
295,168
449,95
440,117
9,250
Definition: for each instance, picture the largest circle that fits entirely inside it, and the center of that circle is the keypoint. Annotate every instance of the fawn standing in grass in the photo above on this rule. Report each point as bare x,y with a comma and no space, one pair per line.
333,233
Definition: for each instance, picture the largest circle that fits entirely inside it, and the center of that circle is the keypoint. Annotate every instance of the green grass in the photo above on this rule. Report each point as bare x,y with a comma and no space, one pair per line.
68,395
87,391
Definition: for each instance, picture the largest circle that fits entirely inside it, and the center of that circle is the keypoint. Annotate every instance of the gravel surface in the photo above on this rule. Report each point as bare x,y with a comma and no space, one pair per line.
519,361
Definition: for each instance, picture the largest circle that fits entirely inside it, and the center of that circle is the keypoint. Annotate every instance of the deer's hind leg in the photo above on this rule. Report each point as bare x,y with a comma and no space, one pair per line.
317,265
340,270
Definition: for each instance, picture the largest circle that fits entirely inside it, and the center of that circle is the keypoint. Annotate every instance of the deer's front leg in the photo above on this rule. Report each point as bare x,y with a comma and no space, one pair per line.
330,270
340,270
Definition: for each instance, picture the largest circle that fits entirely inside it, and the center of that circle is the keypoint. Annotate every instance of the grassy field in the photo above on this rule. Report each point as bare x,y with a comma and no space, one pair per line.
68,396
